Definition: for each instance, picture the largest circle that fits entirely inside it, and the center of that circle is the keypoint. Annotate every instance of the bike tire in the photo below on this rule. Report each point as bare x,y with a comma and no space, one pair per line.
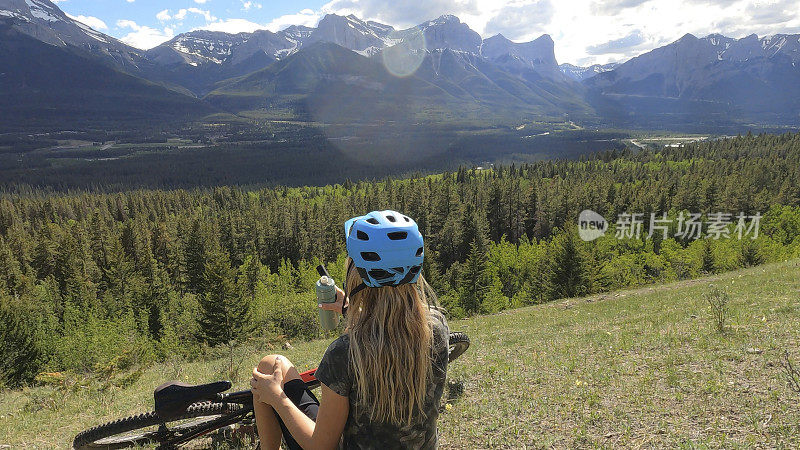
459,343
112,435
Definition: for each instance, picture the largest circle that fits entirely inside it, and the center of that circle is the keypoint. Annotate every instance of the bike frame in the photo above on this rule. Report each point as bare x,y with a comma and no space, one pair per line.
244,398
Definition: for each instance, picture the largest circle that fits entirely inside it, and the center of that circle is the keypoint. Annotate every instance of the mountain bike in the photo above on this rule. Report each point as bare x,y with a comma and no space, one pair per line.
185,412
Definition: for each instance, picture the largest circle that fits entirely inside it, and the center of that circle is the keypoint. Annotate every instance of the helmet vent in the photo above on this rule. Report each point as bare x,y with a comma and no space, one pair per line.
407,219
362,236
414,269
379,274
397,235
372,220
419,252
391,218
370,256
398,269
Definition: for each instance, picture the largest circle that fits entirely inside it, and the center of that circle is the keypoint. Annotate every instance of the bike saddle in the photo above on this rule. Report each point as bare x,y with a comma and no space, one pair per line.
173,397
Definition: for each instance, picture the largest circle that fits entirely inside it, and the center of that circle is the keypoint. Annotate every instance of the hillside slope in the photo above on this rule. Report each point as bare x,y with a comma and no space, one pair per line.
632,368
43,86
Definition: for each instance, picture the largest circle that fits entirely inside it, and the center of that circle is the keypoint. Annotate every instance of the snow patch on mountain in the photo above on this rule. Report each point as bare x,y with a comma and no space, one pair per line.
4,13
579,73
42,11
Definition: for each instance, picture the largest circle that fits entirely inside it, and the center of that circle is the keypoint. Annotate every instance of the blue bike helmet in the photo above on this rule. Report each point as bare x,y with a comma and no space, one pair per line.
386,248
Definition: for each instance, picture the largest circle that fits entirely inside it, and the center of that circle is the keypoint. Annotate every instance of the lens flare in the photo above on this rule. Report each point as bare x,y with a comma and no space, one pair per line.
404,58
371,114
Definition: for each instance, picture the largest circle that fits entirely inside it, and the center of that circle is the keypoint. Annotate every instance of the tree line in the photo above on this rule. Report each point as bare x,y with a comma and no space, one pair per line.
92,279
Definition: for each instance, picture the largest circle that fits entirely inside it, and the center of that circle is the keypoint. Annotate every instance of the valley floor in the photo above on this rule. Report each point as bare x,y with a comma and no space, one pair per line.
636,368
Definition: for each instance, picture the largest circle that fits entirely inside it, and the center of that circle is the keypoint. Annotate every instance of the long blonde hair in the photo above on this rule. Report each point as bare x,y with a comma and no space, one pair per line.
390,348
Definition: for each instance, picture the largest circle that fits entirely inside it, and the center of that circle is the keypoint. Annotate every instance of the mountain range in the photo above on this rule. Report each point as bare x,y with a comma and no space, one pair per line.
755,79
347,69
579,73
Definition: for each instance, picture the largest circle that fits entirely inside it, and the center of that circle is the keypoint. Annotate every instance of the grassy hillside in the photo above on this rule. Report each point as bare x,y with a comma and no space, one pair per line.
636,368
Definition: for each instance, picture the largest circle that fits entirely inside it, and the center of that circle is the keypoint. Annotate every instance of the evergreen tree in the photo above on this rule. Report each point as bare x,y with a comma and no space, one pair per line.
707,264
224,316
473,227
475,279
531,212
750,254
566,272
10,273
20,356
195,257
250,276
495,216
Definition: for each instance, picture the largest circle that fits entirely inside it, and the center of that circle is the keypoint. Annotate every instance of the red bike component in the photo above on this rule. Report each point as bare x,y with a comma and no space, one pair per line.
308,376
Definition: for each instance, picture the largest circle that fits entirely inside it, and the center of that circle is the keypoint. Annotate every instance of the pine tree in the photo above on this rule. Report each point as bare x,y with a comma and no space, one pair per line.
474,282
20,356
249,276
155,295
750,254
224,316
495,215
566,272
473,226
195,257
707,264
474,279
531,212
10,273
515,210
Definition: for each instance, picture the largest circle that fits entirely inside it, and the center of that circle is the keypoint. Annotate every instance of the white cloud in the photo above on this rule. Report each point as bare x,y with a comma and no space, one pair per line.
201,2
183,12
305,17
144,37
92,21
515,19
247,5
125,23
163,16
233,26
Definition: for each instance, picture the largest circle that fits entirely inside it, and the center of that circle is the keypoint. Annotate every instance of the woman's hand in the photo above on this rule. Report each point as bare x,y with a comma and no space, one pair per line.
268,388
337,305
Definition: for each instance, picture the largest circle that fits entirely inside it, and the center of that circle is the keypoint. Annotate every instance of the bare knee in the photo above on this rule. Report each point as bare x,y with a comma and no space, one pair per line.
267,365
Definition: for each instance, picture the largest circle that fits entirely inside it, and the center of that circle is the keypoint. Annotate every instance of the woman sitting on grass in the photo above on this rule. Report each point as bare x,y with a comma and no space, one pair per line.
382,380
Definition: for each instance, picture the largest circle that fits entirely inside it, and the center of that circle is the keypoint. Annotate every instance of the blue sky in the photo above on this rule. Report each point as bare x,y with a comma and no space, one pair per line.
584,31
146,23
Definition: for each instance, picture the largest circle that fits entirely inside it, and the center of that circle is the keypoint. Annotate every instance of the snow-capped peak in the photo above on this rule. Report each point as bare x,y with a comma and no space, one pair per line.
44,20
42,10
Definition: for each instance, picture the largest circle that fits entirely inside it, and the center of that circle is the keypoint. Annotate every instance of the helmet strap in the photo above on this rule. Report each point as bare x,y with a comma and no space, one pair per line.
362,273
357,289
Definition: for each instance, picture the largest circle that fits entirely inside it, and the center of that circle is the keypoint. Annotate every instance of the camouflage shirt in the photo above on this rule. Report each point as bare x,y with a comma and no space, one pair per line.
361,433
